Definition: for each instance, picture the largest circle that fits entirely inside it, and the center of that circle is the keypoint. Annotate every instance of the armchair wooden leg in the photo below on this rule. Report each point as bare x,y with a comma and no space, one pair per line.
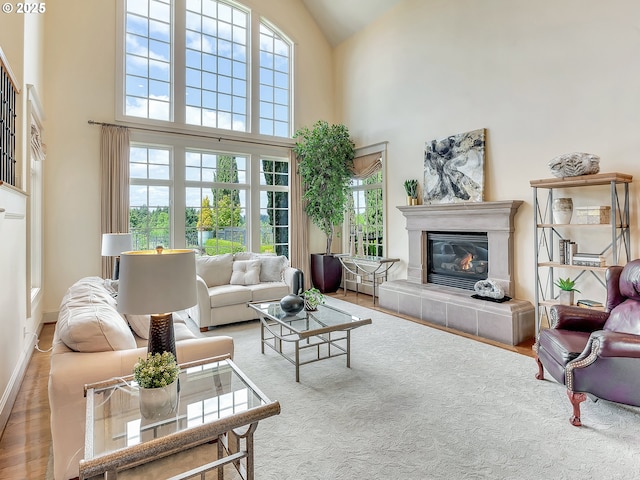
576,398
540,374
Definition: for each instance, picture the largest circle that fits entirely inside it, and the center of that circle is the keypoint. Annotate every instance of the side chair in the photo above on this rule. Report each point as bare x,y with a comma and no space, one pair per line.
596,353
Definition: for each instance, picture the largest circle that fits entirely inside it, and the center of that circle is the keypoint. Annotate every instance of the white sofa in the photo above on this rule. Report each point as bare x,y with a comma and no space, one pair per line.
93,342
227,283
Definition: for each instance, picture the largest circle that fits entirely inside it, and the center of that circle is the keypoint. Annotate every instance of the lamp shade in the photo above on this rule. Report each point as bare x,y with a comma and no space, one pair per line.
152,282
113,244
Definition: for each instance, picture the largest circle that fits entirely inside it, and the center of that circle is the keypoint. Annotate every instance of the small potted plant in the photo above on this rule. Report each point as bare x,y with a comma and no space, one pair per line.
567,288
411,187
312,298
157,377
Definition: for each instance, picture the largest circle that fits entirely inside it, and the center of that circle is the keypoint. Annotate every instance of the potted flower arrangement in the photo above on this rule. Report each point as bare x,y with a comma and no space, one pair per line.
325,161
312,298
157,377
567,289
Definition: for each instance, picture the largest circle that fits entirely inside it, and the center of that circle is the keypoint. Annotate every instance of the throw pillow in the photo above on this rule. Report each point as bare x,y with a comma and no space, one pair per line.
215,269
272,268
139,324
245,272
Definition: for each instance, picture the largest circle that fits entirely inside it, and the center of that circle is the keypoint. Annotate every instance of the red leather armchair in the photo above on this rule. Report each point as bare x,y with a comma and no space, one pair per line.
596,353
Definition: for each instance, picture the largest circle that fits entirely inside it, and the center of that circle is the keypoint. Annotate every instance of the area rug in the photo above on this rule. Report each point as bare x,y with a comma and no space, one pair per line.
419,403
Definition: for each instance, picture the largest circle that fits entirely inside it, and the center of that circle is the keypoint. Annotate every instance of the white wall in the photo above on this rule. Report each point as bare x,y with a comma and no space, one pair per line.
544,78
80,71
21,42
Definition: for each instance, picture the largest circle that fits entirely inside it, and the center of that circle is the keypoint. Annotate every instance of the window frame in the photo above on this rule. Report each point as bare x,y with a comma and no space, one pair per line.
177,122
180,144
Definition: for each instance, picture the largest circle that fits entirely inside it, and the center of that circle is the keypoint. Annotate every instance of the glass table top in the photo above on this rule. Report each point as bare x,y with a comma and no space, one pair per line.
326,318
208,393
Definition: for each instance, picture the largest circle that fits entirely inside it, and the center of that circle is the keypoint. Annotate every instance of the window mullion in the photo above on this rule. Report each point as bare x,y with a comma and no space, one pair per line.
179,62
254,75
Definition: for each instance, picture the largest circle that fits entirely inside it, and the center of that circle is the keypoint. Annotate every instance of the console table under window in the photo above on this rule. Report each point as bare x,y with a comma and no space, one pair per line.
365,268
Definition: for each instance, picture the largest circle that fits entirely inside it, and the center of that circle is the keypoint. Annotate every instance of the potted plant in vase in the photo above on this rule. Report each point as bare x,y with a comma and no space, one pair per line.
157,379
567,289
312,298
325,162
411,187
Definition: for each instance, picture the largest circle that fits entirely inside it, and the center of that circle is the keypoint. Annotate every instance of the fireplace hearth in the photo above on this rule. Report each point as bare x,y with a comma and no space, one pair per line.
451,247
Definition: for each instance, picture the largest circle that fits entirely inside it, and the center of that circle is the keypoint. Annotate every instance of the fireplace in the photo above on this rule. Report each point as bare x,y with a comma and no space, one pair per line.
457,259
451,247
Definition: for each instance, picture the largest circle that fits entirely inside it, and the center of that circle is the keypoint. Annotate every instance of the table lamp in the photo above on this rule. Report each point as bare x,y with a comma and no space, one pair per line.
157,282
113,244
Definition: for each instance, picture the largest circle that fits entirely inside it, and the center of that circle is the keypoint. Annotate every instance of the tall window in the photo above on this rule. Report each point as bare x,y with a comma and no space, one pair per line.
207,82
216,200
365,219
275,53
149,197
274,206
212,67
148,59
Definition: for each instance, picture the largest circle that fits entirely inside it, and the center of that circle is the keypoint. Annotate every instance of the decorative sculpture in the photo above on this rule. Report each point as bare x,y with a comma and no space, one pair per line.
489,288
574,164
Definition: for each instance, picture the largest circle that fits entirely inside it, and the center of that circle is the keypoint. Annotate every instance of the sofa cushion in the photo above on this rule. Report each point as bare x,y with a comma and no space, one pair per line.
139,324
245,272
272,267
90,324
268,291
215,269
224,295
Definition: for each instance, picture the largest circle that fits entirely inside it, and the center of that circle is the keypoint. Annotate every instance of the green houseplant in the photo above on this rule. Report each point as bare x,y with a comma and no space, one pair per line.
325,162
312,298
156,376
567,288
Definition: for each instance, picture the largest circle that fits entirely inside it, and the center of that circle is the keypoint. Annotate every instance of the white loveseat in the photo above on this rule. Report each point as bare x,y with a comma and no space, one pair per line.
93,342
227,283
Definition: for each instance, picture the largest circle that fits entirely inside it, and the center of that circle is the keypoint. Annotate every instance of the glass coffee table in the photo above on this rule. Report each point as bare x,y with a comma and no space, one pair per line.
217,402
324,333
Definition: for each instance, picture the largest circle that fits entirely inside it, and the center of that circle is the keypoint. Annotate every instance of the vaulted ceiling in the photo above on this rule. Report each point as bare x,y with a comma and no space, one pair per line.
339,19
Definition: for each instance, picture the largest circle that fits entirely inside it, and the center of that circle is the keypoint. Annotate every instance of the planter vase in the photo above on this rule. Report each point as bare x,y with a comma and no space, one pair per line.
565,297
326,272
562,210
158,402
310,306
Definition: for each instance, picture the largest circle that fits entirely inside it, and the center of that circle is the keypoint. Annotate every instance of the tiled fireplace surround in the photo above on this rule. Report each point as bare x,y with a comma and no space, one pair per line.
511,322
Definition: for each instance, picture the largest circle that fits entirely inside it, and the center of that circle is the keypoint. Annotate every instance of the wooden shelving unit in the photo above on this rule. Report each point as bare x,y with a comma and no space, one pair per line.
548,233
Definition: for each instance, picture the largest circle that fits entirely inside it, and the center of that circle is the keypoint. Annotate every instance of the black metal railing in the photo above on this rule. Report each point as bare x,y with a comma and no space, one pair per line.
7,127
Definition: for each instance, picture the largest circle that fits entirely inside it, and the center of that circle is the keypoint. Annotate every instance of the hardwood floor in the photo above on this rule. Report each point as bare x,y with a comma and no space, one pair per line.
25,443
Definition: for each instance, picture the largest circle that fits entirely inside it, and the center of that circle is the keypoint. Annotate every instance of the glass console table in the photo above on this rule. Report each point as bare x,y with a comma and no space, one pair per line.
217,402
365,267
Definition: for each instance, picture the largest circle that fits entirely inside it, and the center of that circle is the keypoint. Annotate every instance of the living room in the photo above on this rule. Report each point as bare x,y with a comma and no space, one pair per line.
543,79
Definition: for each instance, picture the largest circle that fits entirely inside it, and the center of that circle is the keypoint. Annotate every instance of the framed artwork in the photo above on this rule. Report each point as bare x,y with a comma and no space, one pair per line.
454,168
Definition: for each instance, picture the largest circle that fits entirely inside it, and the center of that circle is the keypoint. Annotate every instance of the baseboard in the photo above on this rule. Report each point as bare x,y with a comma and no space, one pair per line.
13,387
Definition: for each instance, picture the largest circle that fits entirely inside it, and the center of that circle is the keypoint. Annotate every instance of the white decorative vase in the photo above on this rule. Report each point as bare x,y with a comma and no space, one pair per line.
562,210
566,297
158,402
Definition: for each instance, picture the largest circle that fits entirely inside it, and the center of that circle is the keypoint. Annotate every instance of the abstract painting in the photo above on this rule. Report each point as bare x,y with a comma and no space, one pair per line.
454,168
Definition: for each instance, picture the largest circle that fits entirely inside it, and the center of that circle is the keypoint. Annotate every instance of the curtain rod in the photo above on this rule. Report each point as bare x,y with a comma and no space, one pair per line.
198,135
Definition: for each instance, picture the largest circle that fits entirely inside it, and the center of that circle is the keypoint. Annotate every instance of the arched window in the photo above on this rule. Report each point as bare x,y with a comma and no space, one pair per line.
189,63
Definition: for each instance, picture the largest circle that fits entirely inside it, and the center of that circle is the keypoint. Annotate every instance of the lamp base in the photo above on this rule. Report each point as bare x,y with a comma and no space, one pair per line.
161,334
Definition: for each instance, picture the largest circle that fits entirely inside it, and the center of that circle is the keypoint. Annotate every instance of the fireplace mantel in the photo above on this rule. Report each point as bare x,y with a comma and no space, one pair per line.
494,218
510,322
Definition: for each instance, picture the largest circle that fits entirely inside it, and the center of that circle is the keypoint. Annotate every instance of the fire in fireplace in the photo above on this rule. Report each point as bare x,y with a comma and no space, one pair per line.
457,259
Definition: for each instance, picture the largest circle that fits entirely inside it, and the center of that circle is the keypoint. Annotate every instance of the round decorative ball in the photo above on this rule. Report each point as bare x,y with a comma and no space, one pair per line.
291,304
